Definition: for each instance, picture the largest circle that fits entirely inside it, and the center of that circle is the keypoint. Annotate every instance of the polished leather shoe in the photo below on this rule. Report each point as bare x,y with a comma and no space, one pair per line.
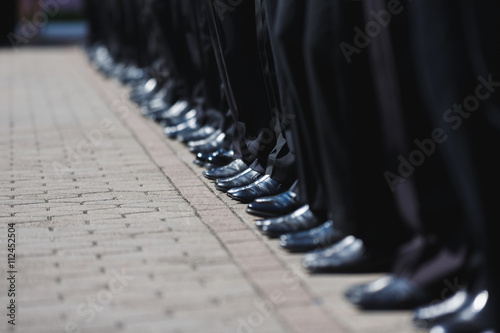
143,91
477,317
200,134
218,158
154,114
273,206
262,187
156,96
164,111
189,115
388,293
319,237
224,157
202,157
156,106
349,255
167,118
110,68
131,74
427,316
212,143
244,178
116,70
173,131
232,169
301,219
201,142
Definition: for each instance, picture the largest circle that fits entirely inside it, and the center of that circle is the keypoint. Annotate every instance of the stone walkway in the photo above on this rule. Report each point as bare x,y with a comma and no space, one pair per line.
117,231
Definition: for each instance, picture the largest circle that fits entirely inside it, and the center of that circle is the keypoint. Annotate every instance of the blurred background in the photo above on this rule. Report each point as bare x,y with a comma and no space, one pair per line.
32,22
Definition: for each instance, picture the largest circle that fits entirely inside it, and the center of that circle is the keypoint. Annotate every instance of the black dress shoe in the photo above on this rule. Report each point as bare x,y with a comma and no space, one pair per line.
244,178
349,255
322,236
273,206
427,316
111,68
263,187
166,119
154,113
156,96
202,157
189,115
155,108
301,219
141,92
173,131
388,293
201,142
219,159
165,111
476,317
116,70
132,73
199,134
232,169
212,143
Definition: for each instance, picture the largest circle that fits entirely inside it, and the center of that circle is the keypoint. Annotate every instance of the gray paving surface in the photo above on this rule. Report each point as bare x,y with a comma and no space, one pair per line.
116,230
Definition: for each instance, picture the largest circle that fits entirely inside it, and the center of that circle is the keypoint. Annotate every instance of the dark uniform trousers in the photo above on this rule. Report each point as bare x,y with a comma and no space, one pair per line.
246,65
339,142
353,119
458,64
425,200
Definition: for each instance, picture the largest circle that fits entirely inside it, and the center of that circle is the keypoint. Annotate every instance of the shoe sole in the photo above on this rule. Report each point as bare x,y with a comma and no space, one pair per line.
222,189
199,163
264,214
246,201
299,249
378,266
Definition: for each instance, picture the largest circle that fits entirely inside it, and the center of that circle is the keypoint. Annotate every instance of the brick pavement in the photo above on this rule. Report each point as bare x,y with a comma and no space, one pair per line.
117,231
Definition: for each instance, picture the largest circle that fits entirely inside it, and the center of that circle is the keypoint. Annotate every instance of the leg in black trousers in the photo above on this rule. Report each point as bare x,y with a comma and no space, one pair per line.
349,137
247,78
423,199
459,73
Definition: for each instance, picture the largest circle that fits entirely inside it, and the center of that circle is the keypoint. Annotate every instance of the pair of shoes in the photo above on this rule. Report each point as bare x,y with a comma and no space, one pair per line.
114,71
226,171
153,108
156,96
274,206
181,120
157,109
320,237
349,255
143,91
187,126
131,74
462,313
477,315
102,60
427,316
198,134
224,157
262,187
221,156
244,178
174,115
389,293
212,143
299,220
